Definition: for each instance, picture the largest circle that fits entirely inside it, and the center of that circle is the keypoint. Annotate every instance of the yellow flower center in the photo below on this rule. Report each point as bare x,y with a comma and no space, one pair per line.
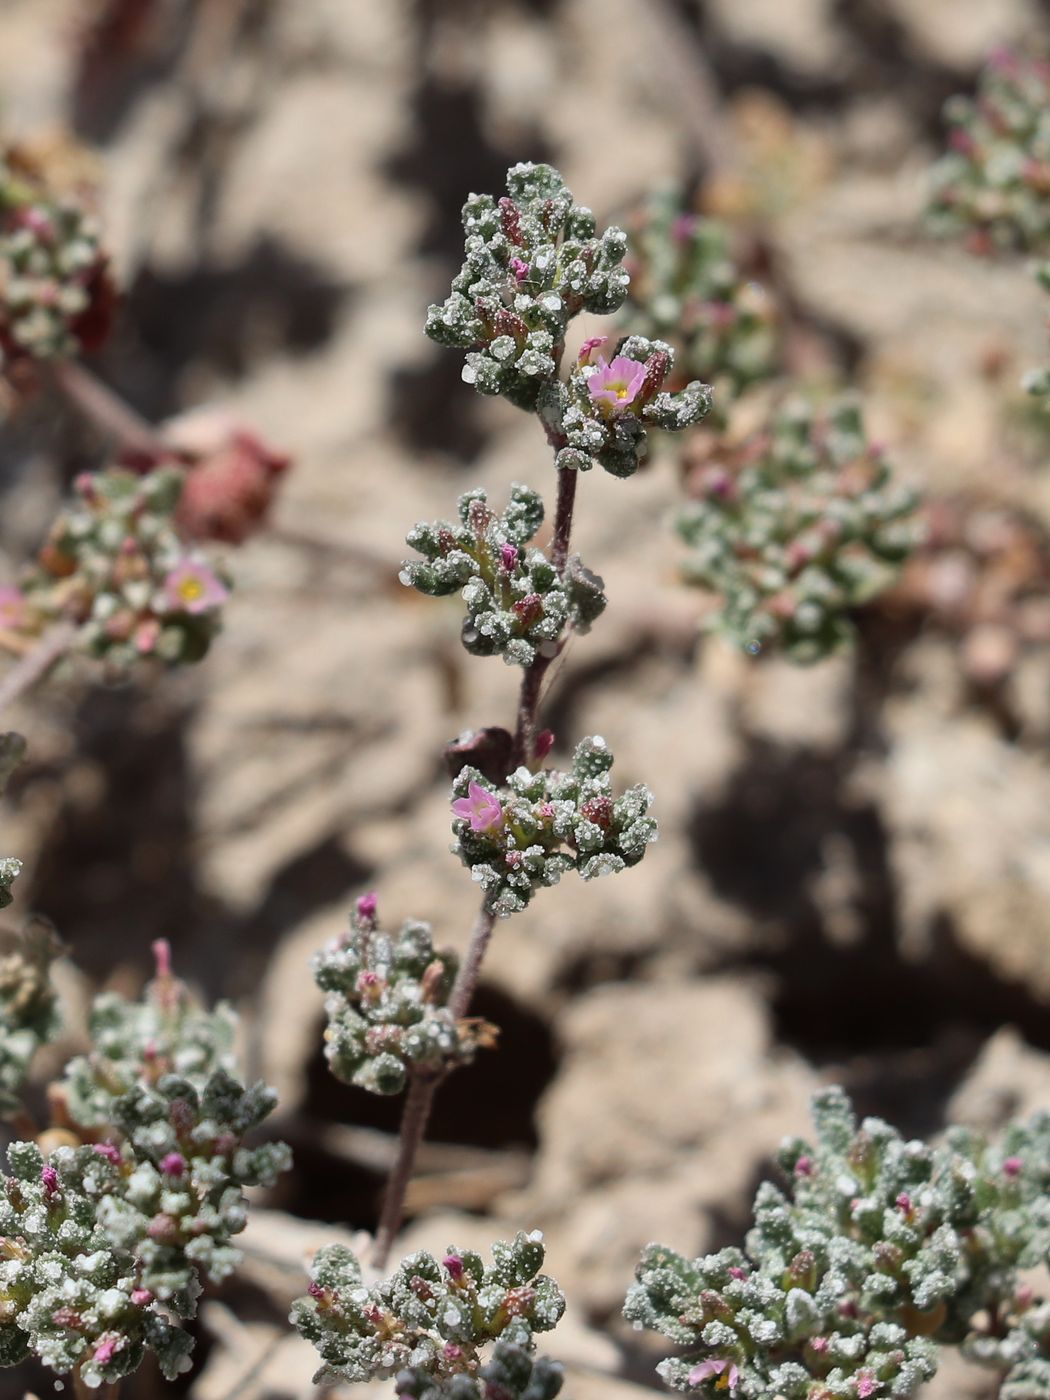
190,589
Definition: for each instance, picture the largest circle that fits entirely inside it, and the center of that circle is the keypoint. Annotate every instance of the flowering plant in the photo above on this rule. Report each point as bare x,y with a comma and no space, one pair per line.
879,1252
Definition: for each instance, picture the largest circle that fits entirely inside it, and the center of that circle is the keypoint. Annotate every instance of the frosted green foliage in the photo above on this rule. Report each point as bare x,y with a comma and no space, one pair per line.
534,260
70,1290
614,393
538,826
55,291
104,1248
878,1251
795,527
182,1199
511,1374
28,1012
114,564
12,752
518,604
135,1043
686,289
10,869
994,183
434,1319
386,1005
1037,381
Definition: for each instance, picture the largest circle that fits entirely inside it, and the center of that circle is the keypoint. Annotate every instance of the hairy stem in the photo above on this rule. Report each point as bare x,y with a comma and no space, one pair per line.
421,1091
470,968
532,680
34,665
418,1102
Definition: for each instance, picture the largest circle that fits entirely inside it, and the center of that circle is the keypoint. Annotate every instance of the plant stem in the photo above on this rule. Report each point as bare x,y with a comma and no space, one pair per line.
470,968
418,1102
532,680
421,1091
422,1088
107,410
35,664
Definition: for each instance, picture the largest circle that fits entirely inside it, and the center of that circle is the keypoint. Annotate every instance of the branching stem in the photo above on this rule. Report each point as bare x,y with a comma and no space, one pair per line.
98,403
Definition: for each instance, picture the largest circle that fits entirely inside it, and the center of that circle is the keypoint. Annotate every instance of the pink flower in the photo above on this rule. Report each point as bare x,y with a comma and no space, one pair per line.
616,385
588,348
1012,1166
866,1384
174,1164
480,807
726,1371
141,1297
193,588
107,1150
520,269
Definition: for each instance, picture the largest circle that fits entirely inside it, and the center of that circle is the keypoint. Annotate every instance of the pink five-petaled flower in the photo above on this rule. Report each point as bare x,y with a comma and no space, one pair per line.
192,587
866,1384
480,807
617,384
726,1371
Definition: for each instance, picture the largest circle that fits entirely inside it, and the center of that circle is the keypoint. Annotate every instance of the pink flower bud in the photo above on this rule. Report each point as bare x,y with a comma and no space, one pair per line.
105,1351
162,957
174,1164
367,907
